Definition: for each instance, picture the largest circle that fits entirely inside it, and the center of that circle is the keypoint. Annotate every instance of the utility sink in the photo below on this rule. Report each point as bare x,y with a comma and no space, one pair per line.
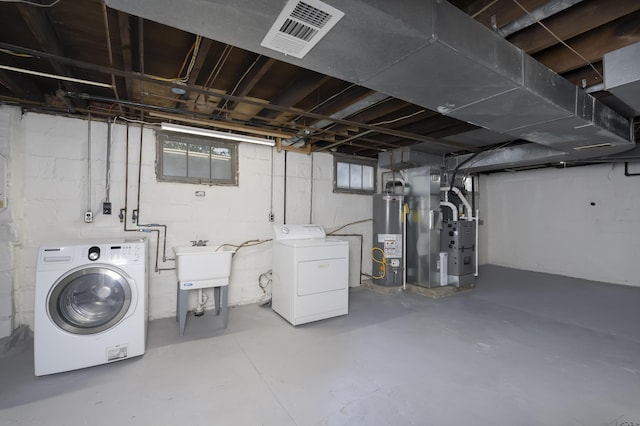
203,266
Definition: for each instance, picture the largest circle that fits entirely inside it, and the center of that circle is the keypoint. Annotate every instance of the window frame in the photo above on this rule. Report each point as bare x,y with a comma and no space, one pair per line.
162,137
361,161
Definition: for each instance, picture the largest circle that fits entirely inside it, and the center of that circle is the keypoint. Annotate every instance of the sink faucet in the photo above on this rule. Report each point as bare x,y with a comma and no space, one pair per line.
199,243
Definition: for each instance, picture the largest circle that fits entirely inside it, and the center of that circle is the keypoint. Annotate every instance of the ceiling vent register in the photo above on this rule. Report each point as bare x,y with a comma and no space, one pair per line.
300,26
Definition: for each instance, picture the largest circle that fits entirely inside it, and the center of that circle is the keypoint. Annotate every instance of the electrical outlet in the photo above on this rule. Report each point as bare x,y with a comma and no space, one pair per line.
106,208
88,217
271,217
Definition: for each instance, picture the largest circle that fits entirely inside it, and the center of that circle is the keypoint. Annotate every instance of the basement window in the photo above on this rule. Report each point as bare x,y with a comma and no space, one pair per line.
196,160
354,175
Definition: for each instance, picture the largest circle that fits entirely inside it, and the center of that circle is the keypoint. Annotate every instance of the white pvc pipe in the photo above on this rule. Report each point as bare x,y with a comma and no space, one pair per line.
467,206
477,232
404,247
454,209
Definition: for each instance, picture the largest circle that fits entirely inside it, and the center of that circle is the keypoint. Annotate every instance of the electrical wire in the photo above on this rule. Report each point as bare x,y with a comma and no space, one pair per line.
233,91
215,71
19,55
330,98
399,118
194,53
32,3
466,170
129,120
468,159
319,104
248,243
559,39
484,8
349,224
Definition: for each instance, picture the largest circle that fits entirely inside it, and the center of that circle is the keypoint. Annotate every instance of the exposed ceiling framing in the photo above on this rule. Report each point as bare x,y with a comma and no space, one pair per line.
227,87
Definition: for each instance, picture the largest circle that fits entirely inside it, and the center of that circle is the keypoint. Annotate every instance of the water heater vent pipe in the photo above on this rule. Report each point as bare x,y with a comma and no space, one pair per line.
467,206
454,209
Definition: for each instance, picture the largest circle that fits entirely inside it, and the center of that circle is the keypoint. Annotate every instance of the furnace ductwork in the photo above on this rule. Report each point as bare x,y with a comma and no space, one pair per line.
429,53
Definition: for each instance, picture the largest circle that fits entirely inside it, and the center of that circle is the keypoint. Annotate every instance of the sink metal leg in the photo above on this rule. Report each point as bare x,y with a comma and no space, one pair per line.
225,312
221,296
183,299
216,298
178,302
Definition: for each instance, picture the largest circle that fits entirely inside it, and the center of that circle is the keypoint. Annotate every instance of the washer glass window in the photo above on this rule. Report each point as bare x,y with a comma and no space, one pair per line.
90,300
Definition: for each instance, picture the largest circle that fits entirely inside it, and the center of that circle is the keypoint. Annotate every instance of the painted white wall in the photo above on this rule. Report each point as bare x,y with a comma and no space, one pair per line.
543,220
11,208
52,175
336,209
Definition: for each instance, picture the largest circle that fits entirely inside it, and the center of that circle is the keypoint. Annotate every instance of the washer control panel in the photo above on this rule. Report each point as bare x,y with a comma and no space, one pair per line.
127,252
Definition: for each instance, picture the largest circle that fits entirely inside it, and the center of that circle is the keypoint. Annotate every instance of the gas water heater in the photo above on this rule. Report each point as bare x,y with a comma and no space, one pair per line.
424,232
387,252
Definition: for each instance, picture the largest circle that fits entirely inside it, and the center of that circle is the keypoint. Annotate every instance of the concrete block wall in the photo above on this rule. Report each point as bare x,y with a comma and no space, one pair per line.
6,231
580,222
334,210
50,158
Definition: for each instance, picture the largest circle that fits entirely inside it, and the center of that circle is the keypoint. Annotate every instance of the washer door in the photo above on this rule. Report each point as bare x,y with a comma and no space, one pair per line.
90,300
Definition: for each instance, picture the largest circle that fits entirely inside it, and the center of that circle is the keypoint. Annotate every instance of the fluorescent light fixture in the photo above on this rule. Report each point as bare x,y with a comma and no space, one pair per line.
169,127
55,76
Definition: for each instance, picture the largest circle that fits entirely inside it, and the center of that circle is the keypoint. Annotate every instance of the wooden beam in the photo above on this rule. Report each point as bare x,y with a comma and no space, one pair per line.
40,26
569,23
248,82
255,102
222,125
503,12
585,76
21,86
304,149
593,44
125,47
385,108
341,101
299,90
203,52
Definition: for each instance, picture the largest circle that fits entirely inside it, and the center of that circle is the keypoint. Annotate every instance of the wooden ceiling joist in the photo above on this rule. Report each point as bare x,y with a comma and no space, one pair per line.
299,90
593,44
565,25
40,26
21,86
249,81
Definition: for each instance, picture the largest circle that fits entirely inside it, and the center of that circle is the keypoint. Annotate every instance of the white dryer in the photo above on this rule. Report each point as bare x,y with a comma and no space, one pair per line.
310,274
90,305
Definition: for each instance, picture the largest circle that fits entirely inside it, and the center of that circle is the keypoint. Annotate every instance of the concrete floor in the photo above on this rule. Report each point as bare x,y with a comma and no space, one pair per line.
522,348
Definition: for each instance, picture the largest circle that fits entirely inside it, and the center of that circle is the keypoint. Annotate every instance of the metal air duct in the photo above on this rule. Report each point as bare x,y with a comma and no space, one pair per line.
426,52
622,75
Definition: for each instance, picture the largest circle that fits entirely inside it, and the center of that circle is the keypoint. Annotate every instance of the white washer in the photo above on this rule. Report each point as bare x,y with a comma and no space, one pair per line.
90,305
310,274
